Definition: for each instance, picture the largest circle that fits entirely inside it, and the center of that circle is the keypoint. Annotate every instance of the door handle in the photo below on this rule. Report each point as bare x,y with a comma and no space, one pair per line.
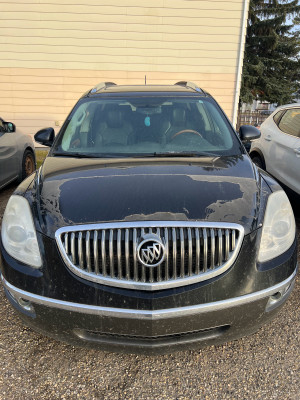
268,138
297,151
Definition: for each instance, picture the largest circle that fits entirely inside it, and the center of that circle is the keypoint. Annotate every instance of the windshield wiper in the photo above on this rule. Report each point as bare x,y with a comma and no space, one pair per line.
184,154
135,155
96,155
84,155
75,154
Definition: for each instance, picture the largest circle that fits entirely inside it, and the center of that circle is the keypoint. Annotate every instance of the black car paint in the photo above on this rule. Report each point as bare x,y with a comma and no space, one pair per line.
83,191
55,280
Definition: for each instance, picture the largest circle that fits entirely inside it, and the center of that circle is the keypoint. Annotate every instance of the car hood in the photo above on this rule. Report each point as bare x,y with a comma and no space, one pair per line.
75,191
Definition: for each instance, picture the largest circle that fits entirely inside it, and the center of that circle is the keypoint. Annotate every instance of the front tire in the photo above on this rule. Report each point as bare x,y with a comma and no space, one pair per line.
28,164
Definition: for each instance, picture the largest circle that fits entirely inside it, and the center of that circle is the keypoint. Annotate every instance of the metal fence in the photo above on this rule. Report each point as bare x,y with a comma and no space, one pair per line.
255,118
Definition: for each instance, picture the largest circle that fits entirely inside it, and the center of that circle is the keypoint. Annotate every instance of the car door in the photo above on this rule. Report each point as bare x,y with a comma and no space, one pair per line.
284,156
269,130
264,143
8,155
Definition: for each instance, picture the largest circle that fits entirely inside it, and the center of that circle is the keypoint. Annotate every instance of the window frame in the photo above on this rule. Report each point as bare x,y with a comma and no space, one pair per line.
280,119
281,112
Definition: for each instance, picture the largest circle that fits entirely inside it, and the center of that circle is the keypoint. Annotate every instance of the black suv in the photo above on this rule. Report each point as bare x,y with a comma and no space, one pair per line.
147,228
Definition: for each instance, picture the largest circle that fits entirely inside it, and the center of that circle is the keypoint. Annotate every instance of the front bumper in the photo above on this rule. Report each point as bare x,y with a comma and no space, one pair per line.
149,331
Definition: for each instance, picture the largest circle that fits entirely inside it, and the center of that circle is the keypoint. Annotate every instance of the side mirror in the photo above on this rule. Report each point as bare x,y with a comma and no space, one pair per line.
10,127
45,136
248,133
7,126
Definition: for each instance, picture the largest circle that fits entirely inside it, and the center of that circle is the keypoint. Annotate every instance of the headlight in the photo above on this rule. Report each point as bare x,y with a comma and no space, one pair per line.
18,232
279,228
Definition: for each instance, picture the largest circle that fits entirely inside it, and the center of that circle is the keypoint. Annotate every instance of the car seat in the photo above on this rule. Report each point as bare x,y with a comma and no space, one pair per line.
114,129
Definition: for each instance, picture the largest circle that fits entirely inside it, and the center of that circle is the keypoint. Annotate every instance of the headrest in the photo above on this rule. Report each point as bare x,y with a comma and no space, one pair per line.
114,117
178,117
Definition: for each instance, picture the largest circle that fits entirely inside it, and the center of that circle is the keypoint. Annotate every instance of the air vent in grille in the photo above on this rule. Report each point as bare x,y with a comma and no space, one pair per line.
189,252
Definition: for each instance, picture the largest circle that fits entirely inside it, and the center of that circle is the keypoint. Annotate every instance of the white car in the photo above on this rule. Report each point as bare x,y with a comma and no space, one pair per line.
17,155
278,149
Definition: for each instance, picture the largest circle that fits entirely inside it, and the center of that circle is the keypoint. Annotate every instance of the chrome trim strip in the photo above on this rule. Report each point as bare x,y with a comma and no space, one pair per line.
167,254
148,314
80,250
197,236
159,266
226,244
135,271
173,280
127,253
95,250
233,240
149,225
143,266
220,247
111,253
119,254
73,247
190,251
213,248
88,251
67,243
174,253
205,248
103,254
182,253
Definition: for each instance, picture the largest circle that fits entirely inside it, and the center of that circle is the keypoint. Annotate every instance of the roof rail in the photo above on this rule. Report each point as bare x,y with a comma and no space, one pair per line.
101,85
190,85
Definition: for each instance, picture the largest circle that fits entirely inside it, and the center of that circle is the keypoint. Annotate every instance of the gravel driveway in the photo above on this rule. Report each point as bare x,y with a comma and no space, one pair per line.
262,366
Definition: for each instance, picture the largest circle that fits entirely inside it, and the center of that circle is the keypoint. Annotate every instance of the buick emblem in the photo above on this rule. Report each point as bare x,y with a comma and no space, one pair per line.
151,251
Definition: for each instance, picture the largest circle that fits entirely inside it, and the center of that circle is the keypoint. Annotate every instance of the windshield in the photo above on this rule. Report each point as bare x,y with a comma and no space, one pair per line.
146,126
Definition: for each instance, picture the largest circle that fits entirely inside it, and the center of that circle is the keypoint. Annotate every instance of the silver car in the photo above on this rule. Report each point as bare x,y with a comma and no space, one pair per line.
278,149
17,156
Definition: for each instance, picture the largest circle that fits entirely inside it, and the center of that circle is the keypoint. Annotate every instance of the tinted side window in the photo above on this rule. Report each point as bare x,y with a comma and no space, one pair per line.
277,116
290,122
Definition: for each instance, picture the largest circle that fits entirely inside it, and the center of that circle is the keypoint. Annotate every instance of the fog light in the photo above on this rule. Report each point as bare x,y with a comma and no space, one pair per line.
276,296
26,304
19,302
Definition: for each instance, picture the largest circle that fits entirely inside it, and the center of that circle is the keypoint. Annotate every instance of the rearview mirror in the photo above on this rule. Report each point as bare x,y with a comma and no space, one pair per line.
248,133
45,136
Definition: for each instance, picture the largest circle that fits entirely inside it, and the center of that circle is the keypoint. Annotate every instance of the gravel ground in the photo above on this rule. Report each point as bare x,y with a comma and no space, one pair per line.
262,366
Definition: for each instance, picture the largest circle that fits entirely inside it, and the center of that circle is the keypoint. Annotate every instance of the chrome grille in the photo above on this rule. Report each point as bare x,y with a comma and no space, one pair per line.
107,253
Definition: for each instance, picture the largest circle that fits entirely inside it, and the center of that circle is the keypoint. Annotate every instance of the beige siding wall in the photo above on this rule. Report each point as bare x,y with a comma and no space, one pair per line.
54,50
